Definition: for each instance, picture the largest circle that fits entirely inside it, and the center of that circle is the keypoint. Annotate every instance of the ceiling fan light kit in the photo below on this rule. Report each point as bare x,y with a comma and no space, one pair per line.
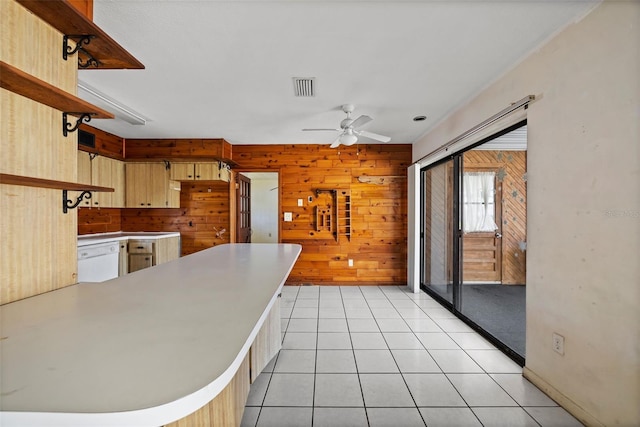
350,129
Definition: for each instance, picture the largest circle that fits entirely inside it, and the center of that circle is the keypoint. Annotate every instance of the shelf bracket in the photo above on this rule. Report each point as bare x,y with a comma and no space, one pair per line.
81,40
70,204
68,127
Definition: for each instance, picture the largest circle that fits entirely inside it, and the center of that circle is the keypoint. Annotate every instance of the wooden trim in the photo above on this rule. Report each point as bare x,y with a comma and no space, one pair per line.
17,81
27,181
64,17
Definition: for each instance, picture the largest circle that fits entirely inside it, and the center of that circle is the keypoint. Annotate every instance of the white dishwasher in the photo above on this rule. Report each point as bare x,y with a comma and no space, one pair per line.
98,262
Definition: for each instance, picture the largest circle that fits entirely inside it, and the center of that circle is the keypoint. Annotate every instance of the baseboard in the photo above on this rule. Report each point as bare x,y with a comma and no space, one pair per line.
569,405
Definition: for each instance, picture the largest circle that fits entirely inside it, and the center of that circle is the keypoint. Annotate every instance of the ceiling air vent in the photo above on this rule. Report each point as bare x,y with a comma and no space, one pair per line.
304,86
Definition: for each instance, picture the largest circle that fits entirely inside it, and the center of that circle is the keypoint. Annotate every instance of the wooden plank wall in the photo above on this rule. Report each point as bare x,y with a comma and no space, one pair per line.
512,166
202,216
379,212
107,144
167,149
99,220
38,245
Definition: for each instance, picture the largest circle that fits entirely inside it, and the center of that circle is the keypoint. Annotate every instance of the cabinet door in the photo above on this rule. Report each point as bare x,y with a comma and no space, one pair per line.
84,168
166,249
158,186
107,172
123,259
139,261
173,194
136,177
182,171
84,176
206,171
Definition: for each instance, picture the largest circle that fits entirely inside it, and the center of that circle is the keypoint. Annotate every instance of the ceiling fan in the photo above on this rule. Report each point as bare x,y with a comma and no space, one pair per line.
350,129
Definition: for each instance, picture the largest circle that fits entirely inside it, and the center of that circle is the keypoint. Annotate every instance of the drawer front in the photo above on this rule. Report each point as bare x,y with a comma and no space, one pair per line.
140,247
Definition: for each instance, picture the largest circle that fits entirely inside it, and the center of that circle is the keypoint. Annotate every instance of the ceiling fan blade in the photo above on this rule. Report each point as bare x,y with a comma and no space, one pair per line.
360,121
313,130
336,143
375,136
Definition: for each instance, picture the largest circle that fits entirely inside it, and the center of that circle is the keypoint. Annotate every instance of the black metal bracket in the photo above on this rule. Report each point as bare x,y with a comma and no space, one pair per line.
167,164
70,204
93,156
68,127
81,40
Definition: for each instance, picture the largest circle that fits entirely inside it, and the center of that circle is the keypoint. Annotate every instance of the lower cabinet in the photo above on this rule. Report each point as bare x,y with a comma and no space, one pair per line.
123,259
147,253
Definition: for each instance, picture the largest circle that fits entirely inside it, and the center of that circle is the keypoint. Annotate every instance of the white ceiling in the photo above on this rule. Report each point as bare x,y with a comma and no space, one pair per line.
223,69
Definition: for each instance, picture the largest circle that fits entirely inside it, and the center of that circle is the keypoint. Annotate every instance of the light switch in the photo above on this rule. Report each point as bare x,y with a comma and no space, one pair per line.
288,217
300,202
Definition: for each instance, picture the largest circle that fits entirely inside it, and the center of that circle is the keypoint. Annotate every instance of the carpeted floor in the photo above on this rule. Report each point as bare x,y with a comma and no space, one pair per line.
498,309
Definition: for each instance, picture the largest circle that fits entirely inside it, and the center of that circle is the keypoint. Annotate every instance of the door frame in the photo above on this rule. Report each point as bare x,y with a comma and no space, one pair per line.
233,214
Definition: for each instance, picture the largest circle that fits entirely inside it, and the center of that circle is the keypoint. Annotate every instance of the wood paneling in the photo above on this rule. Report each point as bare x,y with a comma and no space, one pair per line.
226,409
378,212
107,144
173,149
202,216
38,245
512,170
99,220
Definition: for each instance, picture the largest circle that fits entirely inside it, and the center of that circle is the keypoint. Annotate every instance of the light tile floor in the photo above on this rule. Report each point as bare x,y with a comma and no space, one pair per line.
382,356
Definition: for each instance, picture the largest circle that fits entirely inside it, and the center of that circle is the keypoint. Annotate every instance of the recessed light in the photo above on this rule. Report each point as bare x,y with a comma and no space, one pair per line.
419,118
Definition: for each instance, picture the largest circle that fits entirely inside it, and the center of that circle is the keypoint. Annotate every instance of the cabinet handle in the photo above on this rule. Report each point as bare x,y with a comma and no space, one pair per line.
141,204
139,247
197,176
148,204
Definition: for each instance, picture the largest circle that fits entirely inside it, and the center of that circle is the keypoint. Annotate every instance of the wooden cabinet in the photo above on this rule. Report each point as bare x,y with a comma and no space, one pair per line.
104,172
147,253
123,258
200,171
148,185
140,254
166,249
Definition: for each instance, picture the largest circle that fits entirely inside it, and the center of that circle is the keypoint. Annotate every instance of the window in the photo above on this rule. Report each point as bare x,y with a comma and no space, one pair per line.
478,200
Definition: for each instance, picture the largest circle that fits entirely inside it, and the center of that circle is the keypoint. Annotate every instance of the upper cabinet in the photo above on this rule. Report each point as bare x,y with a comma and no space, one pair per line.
104,172
200,171
94,48
148,185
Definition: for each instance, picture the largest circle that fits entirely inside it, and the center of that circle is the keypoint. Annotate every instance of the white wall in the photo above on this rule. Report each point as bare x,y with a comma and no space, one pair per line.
583,215
264,206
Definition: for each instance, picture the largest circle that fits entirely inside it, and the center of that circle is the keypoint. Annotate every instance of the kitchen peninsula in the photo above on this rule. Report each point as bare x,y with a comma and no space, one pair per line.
148,348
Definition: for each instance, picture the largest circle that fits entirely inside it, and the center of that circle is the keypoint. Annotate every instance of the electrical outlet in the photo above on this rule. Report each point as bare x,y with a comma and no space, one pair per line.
300,202
558,343
350,263
288,216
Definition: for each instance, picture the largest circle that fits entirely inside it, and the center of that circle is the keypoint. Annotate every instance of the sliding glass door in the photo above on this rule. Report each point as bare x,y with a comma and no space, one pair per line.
440,269
473,237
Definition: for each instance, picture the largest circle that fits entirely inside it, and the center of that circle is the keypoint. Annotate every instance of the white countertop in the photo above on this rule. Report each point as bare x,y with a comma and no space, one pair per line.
143,349
91,239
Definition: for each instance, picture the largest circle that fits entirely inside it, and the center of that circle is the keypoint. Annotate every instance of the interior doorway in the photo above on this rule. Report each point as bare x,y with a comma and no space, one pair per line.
473,235
262,203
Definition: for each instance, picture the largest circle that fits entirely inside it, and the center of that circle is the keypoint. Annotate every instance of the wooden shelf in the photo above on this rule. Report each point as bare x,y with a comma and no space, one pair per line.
61,15
24,84
27,181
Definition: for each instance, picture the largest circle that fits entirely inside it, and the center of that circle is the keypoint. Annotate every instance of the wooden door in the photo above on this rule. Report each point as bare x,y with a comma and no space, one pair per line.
243,209
482,250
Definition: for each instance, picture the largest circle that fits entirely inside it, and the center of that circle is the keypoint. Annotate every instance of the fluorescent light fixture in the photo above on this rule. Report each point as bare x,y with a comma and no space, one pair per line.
101,100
